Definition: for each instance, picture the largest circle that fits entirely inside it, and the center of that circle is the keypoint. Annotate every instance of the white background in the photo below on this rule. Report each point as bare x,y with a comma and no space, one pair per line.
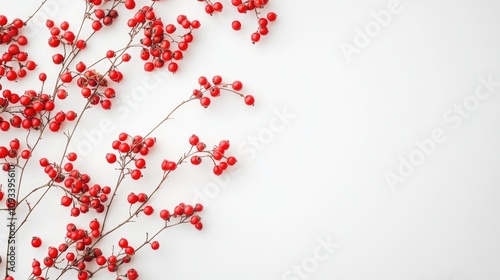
319,176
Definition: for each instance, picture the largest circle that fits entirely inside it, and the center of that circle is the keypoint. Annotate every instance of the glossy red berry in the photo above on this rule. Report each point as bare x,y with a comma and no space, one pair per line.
217,170
123,243
36,242
205,101
66,201
255,37
94,225
200,146
71,156
199,226
237,85
236,25
249,100
231,160
198,207
110,158
155,245
165,214
148,210
271,16
132,198
132,274
194,140
140,163
194,220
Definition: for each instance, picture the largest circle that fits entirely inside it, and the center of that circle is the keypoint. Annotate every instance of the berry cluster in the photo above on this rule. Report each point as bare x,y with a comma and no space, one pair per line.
59,118
262,29
76,253
13,152
30,110
211,8
14,62
62,35
95,86
103,18
158,44
128,149
185,212
217,154
244,6
78,193
214,90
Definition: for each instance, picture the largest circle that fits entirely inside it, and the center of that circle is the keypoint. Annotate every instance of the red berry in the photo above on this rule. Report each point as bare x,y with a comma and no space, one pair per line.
198,207
132,198
231,160
57,58
271,16
148,210
66,77
255,37
188,210
36,242
80,67
194,220
70,256
178,210
217,170
173,67
217,80
237,85
195,160
132,274
205,101
149,66
4,152
66,201
193,140
71,156
136,174
199,226
200,146
53,252
3,20
155,245
101,260
129,250
110,54
83,275
165,214
236,25
130,4
123,243
94,225
96,25
140,163
111,158
15,144
75,212
263,22
224,144
218,6
202,80
209,9
249,100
